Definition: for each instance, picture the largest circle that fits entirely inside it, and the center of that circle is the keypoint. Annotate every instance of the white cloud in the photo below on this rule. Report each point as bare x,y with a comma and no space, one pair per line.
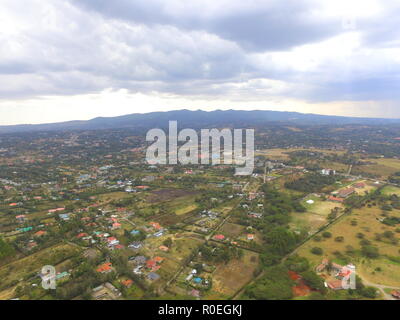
56,54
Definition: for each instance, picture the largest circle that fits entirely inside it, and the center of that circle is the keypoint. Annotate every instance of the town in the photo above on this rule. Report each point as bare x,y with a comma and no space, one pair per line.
315,212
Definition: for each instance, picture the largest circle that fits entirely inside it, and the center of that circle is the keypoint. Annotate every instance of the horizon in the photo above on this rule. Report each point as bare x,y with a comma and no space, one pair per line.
196,110
77,60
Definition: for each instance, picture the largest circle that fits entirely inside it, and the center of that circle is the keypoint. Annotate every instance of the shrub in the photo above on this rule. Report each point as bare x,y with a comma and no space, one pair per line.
339,239
370,252
317,251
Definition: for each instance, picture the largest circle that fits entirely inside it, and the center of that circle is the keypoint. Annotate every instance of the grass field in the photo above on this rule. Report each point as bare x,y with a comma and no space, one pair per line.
275,154
31,265
231,230
319,207
380,167
185,209
282,154
368,225
369,187
316,215
390,190
231,277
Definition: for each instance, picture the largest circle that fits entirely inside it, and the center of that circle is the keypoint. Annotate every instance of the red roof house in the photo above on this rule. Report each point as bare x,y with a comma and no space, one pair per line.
219,237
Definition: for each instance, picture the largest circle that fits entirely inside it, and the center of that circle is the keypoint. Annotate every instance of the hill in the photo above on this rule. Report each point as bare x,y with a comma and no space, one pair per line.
198,119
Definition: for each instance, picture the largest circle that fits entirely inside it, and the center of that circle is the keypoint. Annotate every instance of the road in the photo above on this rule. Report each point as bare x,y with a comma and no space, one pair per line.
380,287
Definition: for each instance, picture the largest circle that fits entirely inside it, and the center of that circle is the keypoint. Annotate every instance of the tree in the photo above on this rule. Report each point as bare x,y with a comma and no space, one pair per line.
275,285
369,292
5,249
297,263
316,296
317,251
313,280
327,234
168,242
281,240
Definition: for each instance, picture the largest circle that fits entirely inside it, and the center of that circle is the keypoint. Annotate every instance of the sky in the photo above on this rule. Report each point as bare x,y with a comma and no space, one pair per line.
78,59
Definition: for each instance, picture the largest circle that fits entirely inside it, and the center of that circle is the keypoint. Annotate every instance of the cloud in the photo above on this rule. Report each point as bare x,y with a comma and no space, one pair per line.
255,25
298,51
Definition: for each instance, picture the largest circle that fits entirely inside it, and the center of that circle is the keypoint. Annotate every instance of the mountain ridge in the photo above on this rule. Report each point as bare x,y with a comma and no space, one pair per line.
197,119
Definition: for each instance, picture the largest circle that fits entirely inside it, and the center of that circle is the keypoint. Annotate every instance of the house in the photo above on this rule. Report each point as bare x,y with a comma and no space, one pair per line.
189,277
255,215
195,293
127,283
153,276
116,225
135,245
39,233
328,172
112,241
139,260
344,273
62,275
250,237
113,289
360,185
150,264
321,267
336,267
55,210
335,199
335,285
130,189
21,218
64,216
219,237
158,234
163,248
252,196
105,268
81,235
155,225
158,259
344,193
137,270
395,294
31,244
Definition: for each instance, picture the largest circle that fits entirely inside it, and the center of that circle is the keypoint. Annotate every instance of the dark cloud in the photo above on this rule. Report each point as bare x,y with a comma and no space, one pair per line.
259,26
208,49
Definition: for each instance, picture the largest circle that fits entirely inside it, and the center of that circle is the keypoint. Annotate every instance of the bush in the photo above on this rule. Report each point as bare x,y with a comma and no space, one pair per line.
327,235
317,238
369,292
365,242
370,252
317,251
339,239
